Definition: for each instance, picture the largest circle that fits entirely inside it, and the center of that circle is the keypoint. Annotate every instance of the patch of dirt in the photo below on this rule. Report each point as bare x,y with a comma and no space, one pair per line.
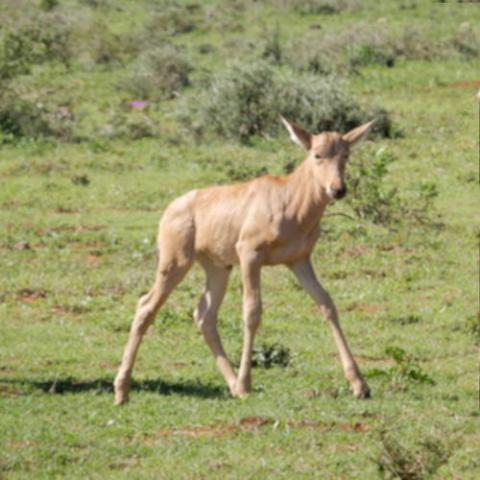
30,295
93,260
10,391
395,248
356,251
70,228
363,307
22,245
69,310
20,444
252,424
179,365
370,359
466,84
108,366
374,273
67,210
202,431
94,245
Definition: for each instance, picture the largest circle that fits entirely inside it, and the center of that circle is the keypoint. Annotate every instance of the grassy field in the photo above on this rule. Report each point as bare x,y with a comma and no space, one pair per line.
80,200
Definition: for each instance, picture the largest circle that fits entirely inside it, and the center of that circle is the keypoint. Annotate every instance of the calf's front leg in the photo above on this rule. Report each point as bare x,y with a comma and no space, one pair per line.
306,277
250,266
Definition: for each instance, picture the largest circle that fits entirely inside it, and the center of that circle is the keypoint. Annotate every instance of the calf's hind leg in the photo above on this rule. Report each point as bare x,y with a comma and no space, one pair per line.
169,274
206,318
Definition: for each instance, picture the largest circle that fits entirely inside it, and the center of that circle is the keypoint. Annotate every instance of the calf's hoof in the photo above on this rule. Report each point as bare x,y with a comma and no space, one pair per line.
239,391
121,398
362,391
121,392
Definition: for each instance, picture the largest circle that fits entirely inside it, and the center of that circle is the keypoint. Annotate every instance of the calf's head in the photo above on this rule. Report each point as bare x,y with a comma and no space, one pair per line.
328,152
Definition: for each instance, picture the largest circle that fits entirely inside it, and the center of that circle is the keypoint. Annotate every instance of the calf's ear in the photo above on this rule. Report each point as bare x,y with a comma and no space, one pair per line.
298,134
354,136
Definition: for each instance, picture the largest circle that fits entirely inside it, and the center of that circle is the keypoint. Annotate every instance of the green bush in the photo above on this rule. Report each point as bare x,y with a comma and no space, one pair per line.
306,54
34,41
247,100
273,48
28,113
160,73
467,41
171,20
131,125
367,54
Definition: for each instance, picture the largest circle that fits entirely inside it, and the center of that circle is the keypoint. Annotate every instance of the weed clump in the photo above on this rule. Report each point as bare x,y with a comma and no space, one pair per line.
160,73
268,356
397,461
372,200
247,101
473,327
404,373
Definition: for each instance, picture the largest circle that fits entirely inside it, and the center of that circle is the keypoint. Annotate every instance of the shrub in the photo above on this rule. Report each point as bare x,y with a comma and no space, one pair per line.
306,54
273,49
158,74
412,43
467,41
35,41
25,113
367,54
247,100
132,125
171,20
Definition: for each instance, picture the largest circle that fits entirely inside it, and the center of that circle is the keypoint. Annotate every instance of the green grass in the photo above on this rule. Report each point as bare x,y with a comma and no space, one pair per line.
75,258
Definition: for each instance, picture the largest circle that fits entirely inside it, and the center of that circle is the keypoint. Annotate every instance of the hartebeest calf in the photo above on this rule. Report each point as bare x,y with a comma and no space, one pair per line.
270,220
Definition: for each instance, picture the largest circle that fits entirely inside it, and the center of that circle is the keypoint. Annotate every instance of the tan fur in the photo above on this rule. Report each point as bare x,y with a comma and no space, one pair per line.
268,221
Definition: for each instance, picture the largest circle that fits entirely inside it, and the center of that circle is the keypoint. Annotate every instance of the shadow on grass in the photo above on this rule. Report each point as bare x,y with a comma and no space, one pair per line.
60,386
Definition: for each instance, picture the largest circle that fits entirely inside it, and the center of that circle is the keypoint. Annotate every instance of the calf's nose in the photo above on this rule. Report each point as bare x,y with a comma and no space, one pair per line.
339,193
